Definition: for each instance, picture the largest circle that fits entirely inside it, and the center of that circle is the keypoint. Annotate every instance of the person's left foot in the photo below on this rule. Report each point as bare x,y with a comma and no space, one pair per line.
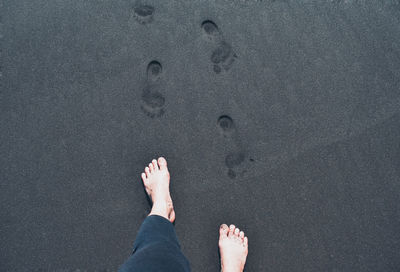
156,182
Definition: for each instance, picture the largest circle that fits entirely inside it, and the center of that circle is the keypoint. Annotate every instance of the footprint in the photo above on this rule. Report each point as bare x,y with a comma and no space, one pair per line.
152,100
143,13
223,55
235,160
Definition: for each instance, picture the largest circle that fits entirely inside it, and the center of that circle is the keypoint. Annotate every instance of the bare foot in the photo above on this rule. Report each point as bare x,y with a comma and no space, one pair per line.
156,182
233,247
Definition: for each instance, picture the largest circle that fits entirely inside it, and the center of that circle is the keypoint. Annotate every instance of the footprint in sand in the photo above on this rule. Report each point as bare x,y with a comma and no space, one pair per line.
152,100
235,160
223,55
143,13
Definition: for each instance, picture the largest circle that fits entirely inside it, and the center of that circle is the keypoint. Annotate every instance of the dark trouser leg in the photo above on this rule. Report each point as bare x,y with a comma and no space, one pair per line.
156,248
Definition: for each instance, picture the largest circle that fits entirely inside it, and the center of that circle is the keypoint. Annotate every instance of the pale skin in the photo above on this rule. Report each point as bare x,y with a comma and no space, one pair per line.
233,244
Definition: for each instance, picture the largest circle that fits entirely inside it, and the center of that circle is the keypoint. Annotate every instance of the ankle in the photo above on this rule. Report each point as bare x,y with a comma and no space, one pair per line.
161,208
232,268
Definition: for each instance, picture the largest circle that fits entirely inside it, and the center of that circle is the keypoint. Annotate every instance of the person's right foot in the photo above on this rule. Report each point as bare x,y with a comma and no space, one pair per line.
233,247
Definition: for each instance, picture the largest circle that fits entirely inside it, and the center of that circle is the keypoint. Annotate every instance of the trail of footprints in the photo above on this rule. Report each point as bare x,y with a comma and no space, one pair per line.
222,59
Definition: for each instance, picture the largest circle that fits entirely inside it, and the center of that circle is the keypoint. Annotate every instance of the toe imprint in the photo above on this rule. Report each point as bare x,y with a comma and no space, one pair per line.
226,125
210,29
154,70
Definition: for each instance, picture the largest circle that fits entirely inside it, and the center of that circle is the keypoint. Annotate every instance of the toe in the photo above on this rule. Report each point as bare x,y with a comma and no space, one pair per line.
245,241
223,230
237,231
143,177
162,163
155,165
231,230
241,235
147,170
151,167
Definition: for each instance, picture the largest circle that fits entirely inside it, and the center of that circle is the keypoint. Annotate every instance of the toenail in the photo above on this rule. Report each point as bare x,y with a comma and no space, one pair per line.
161,159
224,226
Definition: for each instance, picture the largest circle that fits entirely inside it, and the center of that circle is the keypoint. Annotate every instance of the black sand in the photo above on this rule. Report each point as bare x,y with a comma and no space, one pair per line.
280,117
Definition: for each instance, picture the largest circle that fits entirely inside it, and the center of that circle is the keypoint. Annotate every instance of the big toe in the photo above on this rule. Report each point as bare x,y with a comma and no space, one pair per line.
162,162
223,231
